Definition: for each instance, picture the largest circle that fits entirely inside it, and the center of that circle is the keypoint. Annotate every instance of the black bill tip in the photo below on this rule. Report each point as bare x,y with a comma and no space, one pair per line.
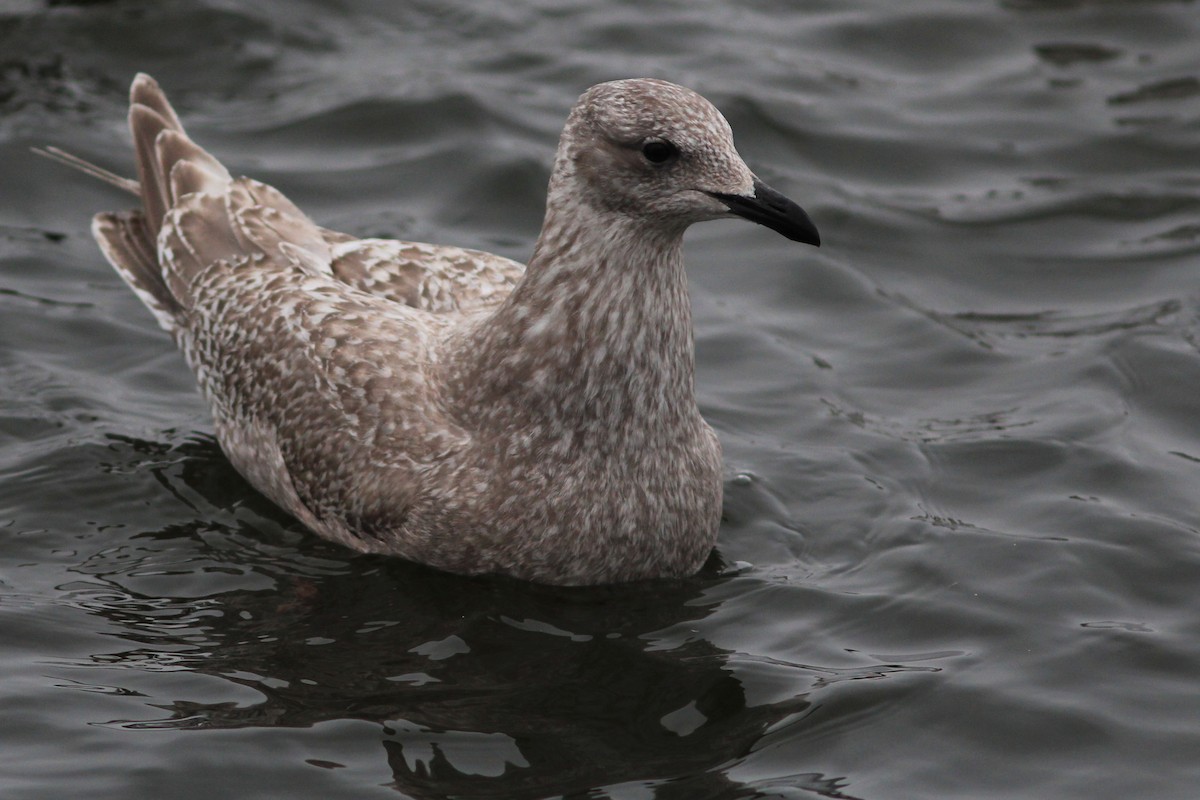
769,207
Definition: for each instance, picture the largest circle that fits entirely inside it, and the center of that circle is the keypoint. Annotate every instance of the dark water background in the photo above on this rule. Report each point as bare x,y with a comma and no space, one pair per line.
963,495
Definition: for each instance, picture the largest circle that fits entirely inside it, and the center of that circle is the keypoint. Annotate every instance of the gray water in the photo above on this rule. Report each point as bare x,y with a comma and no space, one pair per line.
961,552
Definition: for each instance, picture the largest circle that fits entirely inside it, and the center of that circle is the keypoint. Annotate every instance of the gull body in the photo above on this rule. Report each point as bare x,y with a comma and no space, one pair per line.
446,405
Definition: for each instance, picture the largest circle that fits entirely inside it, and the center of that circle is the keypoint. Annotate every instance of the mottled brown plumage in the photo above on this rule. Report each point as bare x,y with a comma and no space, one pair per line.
446,405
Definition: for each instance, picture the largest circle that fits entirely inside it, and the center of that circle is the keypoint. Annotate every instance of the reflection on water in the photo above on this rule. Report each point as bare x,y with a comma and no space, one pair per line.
481,687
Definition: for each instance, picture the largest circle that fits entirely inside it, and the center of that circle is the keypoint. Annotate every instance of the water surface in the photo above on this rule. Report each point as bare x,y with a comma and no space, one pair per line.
961,548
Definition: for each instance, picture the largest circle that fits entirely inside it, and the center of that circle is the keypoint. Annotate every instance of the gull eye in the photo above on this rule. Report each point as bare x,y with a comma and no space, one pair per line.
659,151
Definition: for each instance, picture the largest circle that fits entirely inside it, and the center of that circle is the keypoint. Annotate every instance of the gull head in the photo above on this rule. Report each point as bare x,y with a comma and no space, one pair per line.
663,155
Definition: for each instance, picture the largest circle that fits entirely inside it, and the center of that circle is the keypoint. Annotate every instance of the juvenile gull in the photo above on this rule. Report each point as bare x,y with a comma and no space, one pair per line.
448,405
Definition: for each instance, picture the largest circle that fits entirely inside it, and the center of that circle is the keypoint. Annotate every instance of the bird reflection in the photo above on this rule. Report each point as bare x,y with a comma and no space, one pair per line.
483,687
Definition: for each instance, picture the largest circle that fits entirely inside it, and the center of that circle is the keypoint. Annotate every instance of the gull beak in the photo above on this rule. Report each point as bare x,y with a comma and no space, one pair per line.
768,207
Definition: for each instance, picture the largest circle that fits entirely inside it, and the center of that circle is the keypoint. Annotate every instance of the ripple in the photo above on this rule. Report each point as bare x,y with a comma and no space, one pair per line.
1168,90
1066,54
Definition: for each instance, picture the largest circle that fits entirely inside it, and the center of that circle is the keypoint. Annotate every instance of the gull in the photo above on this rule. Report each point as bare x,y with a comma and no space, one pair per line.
447,405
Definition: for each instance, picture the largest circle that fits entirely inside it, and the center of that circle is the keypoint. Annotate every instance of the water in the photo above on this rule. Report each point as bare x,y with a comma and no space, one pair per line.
961,550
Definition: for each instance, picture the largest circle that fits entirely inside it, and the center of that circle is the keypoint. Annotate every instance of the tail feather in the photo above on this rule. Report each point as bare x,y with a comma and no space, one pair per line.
193,177
87,167
145,91
173,148
194,214
160,144
146,124
170,167
124,237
